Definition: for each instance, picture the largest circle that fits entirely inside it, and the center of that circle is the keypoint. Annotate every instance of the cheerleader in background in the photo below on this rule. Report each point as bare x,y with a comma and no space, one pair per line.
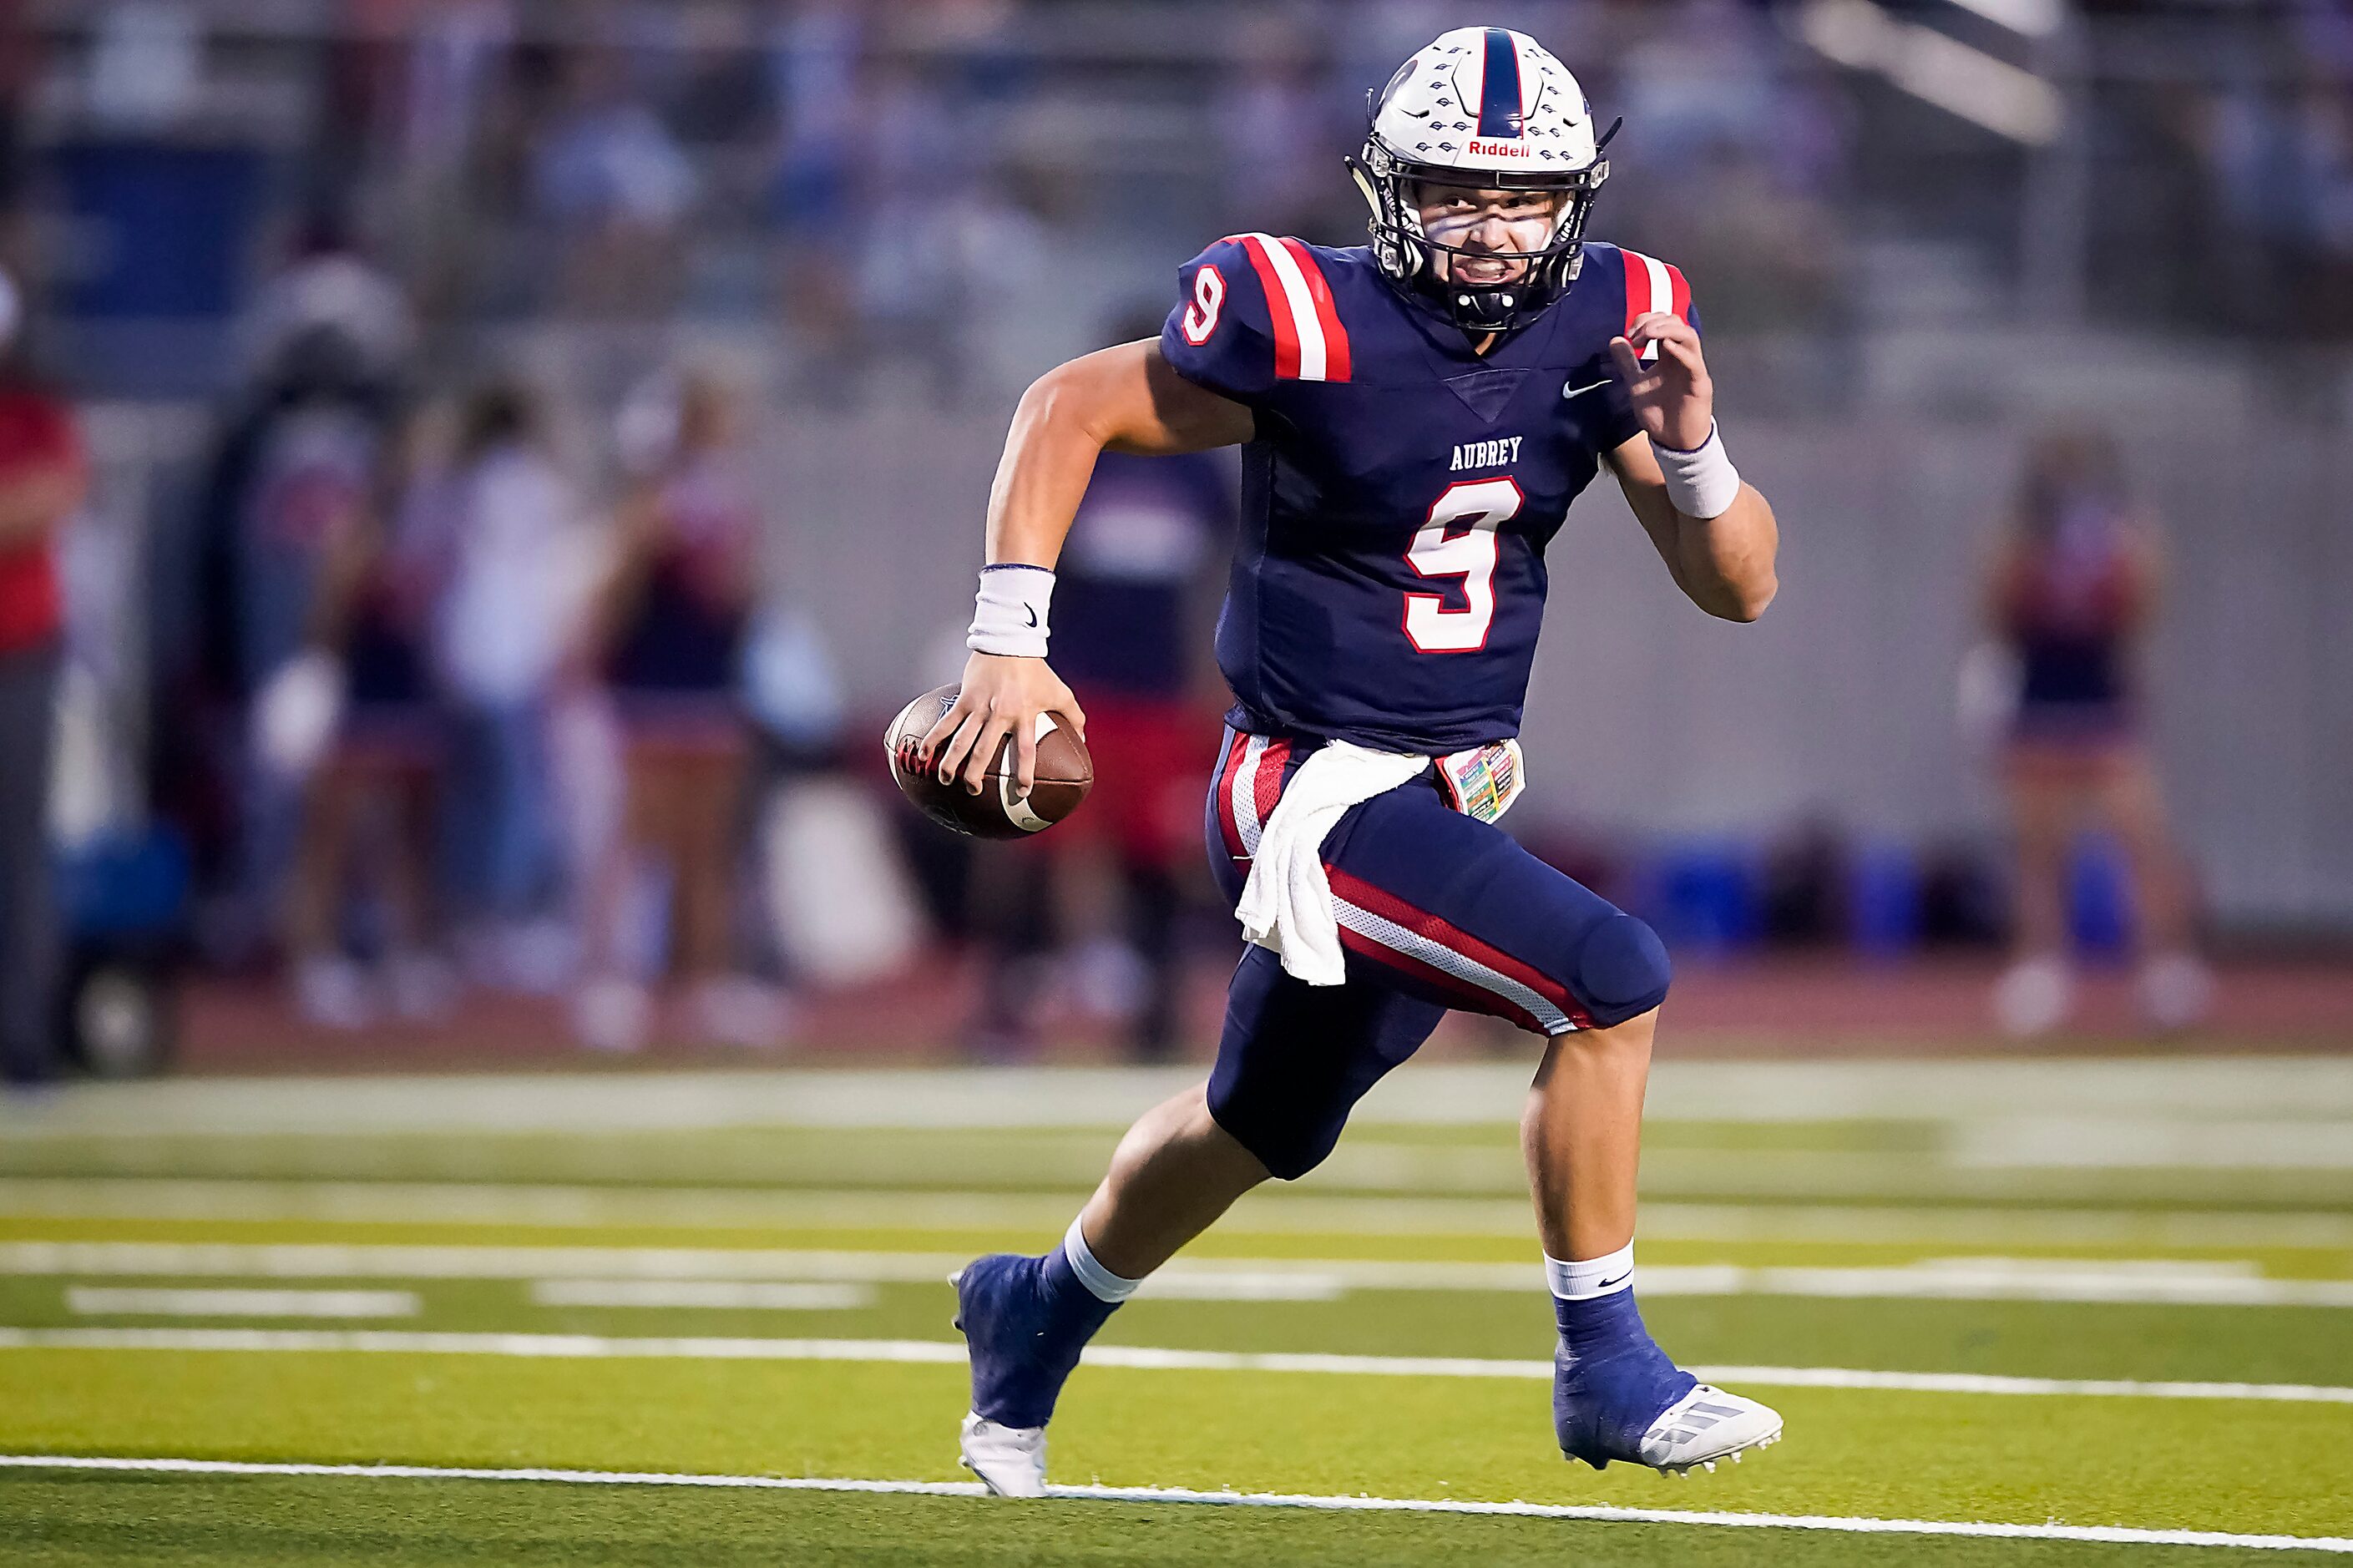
2072,593
669,632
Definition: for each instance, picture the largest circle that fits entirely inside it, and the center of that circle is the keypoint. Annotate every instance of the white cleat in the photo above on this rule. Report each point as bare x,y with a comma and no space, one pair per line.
1707,1425
1011,1460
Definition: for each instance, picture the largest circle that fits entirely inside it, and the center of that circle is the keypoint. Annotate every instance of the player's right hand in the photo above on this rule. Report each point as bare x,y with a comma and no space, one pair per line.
1002,695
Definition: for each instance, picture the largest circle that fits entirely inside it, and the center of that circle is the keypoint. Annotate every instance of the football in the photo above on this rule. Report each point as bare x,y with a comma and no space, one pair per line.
1065,774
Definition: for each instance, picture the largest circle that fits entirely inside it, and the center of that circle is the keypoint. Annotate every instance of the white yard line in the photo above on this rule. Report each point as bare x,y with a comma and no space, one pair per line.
1131,1357
2193,1089
755,1294
1280,1212
2117,1534
93,1301
2190,1283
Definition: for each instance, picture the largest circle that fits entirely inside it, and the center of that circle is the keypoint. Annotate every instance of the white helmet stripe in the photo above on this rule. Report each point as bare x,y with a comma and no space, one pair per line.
1297,304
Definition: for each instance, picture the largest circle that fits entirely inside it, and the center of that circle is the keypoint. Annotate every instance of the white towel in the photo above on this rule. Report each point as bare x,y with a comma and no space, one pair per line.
1286,906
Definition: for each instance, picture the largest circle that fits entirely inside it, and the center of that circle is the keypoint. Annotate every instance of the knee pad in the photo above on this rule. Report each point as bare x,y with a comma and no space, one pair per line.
1621,970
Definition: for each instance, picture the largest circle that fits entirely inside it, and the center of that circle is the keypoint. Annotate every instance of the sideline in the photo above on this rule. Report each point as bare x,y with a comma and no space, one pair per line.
1142,1358
1853,1526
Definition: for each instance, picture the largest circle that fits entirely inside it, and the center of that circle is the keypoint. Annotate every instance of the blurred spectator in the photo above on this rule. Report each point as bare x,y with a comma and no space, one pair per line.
295,467
518,562
328,287
20,64
43,476
1132,591
670,628
1281,135
814,73
615,182
369,810
2073,592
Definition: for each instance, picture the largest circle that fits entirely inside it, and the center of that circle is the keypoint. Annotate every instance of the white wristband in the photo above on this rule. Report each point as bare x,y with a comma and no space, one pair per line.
1702,483
1010,612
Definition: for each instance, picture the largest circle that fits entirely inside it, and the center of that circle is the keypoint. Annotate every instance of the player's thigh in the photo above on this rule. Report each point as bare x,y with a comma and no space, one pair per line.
1294,1058
1454,910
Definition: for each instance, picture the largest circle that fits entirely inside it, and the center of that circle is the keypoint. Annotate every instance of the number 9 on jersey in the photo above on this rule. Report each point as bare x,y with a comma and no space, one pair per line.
1478,508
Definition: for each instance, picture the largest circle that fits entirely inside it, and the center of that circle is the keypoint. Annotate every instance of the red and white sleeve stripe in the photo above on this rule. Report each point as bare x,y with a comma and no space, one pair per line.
1310,342
1654,285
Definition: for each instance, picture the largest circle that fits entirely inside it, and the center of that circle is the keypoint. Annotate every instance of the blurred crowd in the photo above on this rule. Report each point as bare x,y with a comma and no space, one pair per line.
451,699
856,177
481,676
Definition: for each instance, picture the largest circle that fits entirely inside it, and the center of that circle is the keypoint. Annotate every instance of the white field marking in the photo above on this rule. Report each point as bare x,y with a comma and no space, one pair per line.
1602,1513
764,1295
95,1301
1133,1358
2191,1090
2187,1283
1282,1212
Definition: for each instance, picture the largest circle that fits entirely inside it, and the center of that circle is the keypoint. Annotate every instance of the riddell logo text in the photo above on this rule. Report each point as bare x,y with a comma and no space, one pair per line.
1499,149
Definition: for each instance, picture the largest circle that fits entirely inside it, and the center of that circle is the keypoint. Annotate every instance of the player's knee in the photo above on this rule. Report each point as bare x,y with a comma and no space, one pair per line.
1286,1142
1623,971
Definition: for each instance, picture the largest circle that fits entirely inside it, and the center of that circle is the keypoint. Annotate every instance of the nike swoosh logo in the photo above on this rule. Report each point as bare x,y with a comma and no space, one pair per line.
1612,1284
1033,613
1567,392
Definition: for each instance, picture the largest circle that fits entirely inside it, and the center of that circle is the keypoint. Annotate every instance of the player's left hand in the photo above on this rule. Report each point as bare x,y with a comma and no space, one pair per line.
1672,396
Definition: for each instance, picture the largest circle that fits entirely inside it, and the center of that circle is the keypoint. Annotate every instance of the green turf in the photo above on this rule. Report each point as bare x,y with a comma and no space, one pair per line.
1845,1193
2015,1234
2212,1465
1711,1161
85,1521
2026,1338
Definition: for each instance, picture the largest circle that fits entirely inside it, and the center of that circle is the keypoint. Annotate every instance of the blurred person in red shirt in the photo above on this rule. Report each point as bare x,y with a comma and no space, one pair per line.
669,631
43,476
2072,593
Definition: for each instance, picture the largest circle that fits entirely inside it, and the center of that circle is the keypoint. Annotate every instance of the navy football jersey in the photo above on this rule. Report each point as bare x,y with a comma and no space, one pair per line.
1388,580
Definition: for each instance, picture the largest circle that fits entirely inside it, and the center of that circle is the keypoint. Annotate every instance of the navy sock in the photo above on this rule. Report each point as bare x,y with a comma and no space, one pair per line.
1074,1310
1610,1378
1599,1326
1027,1319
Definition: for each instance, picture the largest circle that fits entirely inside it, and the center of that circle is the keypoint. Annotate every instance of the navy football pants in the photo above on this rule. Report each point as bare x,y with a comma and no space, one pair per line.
1437,911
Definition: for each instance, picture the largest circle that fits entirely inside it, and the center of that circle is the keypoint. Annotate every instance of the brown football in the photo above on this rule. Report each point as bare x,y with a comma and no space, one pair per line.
1065,774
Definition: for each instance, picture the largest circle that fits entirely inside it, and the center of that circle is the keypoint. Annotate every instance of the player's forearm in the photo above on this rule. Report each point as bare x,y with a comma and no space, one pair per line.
1725,562
1050,456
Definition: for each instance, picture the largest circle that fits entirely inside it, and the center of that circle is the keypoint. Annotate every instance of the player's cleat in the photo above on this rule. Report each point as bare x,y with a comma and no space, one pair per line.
1009,1460
1024,1320
1704,1425
1616,1395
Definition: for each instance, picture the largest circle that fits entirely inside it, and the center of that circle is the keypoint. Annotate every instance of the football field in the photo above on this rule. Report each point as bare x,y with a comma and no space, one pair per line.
2013,1313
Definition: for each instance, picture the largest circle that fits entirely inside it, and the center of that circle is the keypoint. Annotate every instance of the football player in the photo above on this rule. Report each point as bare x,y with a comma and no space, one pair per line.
1415,416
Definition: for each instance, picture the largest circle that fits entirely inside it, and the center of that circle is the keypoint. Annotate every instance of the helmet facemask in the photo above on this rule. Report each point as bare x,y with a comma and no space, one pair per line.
1407,254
